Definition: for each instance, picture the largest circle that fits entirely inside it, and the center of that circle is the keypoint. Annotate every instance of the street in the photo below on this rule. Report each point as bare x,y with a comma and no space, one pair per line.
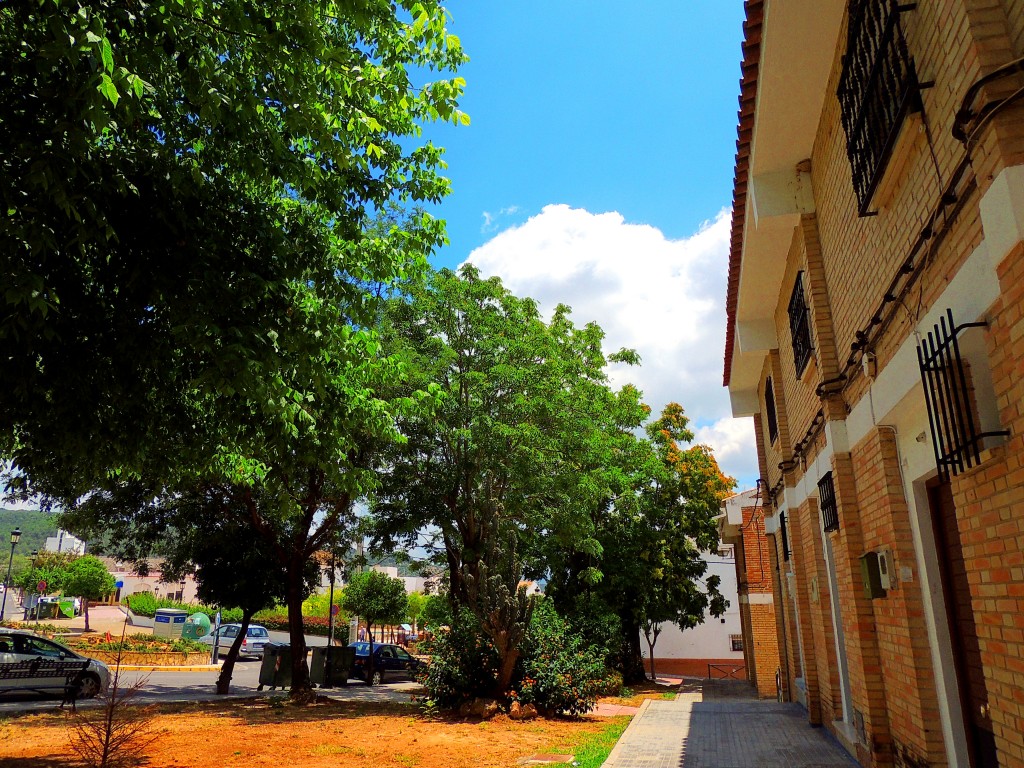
168,687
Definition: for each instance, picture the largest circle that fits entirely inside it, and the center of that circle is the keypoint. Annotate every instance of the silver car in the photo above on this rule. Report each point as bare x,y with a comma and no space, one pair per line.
252,644
21,645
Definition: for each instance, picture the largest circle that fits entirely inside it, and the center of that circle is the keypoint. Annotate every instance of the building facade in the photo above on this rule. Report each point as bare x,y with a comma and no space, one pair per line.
713,648
742,529
876,335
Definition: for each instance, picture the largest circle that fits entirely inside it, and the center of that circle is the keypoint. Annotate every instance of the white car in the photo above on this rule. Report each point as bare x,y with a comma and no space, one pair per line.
252,644
21,645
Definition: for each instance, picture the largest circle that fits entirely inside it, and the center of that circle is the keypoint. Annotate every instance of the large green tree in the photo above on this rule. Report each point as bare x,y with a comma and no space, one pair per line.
520,447
650,568
184,185
193,278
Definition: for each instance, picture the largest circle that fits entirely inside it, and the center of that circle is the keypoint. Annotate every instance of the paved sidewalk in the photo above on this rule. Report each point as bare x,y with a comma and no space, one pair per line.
723,726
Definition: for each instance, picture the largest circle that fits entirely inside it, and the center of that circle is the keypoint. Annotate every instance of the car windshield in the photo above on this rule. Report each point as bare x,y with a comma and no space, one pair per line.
258,632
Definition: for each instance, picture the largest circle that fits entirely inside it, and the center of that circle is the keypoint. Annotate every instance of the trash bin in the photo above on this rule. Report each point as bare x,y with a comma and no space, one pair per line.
276,669
46,609
343,659
169,622
197,625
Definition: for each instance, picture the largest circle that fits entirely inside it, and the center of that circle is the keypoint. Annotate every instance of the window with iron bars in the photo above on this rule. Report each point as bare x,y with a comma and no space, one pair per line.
827,503
799,326
769,410
878,88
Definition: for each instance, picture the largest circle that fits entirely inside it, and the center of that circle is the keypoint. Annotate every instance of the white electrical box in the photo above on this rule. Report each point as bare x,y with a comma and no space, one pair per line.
886,569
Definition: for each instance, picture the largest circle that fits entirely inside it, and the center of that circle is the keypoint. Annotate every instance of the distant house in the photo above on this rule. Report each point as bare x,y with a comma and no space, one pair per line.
713,648
64,542
183,590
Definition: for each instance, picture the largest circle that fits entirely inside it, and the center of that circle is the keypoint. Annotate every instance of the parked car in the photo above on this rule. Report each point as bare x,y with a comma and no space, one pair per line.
22,645
252,644
388,661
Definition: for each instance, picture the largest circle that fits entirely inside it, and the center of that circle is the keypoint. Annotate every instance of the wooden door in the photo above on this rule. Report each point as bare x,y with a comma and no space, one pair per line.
962,628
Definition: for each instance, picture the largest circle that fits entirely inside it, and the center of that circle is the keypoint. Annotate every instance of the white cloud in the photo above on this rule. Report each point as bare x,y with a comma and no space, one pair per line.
664,298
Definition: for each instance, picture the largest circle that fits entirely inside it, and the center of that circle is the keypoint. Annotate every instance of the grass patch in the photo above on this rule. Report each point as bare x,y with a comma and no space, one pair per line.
593,749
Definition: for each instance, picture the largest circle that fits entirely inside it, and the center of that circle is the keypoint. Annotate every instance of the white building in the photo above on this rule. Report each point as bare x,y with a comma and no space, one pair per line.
64,542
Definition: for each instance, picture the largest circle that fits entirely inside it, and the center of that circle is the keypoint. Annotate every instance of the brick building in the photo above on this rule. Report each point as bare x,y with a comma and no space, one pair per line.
876,335
742,527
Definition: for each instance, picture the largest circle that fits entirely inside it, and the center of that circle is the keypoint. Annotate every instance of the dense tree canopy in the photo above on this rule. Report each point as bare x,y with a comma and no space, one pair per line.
185,188
519,449
651,567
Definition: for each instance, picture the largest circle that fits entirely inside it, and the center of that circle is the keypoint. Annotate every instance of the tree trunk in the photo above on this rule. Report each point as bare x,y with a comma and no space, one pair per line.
224,679
85,610
302,690
505,672
632,657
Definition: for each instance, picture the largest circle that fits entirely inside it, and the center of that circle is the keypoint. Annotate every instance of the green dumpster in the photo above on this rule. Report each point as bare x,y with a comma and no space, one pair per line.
276,669
197,625
342,659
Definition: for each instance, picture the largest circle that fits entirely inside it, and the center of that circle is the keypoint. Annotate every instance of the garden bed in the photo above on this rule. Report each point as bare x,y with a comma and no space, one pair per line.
148,658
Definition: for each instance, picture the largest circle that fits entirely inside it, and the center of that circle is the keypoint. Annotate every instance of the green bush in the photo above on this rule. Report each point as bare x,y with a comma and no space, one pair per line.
560,672
463,662
140,642
557,671
312,625
146,604
319,605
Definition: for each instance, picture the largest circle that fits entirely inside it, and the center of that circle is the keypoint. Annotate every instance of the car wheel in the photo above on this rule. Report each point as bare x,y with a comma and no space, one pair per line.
377,677
88,687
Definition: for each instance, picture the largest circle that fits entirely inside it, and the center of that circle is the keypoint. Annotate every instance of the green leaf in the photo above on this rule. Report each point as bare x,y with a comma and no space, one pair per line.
108,55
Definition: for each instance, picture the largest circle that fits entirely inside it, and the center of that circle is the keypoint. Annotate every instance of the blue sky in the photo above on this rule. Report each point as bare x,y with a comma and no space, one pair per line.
597,171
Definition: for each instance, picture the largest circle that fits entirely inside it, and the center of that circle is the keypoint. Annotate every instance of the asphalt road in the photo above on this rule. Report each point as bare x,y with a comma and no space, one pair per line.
169,687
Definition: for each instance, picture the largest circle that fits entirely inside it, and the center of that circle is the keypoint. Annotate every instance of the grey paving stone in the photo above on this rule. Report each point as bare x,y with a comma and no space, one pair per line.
730,731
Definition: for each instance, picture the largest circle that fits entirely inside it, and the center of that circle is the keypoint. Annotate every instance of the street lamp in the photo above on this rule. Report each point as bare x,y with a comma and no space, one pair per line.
15,536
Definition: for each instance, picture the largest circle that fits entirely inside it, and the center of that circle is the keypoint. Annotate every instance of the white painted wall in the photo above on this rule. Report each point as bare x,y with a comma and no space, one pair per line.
709,640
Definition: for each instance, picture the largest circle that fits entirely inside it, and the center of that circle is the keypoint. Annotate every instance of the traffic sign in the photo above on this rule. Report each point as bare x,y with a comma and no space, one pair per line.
41,586
335,609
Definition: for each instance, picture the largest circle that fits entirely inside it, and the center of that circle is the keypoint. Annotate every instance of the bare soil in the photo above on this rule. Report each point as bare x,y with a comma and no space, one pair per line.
641,691
331,734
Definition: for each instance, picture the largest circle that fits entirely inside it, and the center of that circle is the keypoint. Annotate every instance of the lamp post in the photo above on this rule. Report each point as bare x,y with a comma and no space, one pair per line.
15,536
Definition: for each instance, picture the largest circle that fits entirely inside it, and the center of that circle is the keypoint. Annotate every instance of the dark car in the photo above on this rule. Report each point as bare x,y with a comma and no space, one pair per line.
388,661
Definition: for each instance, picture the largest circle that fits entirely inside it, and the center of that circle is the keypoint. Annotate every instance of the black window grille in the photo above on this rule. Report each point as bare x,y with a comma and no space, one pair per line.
878,87
769,409
827,502
799,326
785,536
955,436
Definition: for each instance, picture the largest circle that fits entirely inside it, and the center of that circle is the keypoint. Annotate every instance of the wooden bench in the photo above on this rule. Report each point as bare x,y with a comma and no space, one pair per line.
53,675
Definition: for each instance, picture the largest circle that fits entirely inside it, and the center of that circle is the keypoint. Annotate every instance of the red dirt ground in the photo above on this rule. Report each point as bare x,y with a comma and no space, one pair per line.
254,733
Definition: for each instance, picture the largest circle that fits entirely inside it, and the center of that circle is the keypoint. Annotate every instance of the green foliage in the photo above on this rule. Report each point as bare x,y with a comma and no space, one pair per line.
560,673
593,749
376,597
319,605
146,604
463,662
417,604
140,643
650,544
311,625
87,577
51,567
522,445
184,186
557,671
437,612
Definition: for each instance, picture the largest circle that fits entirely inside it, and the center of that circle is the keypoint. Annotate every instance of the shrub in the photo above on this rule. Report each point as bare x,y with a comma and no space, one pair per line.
319,605
560,672
146,604
139,642
463,662
311,625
